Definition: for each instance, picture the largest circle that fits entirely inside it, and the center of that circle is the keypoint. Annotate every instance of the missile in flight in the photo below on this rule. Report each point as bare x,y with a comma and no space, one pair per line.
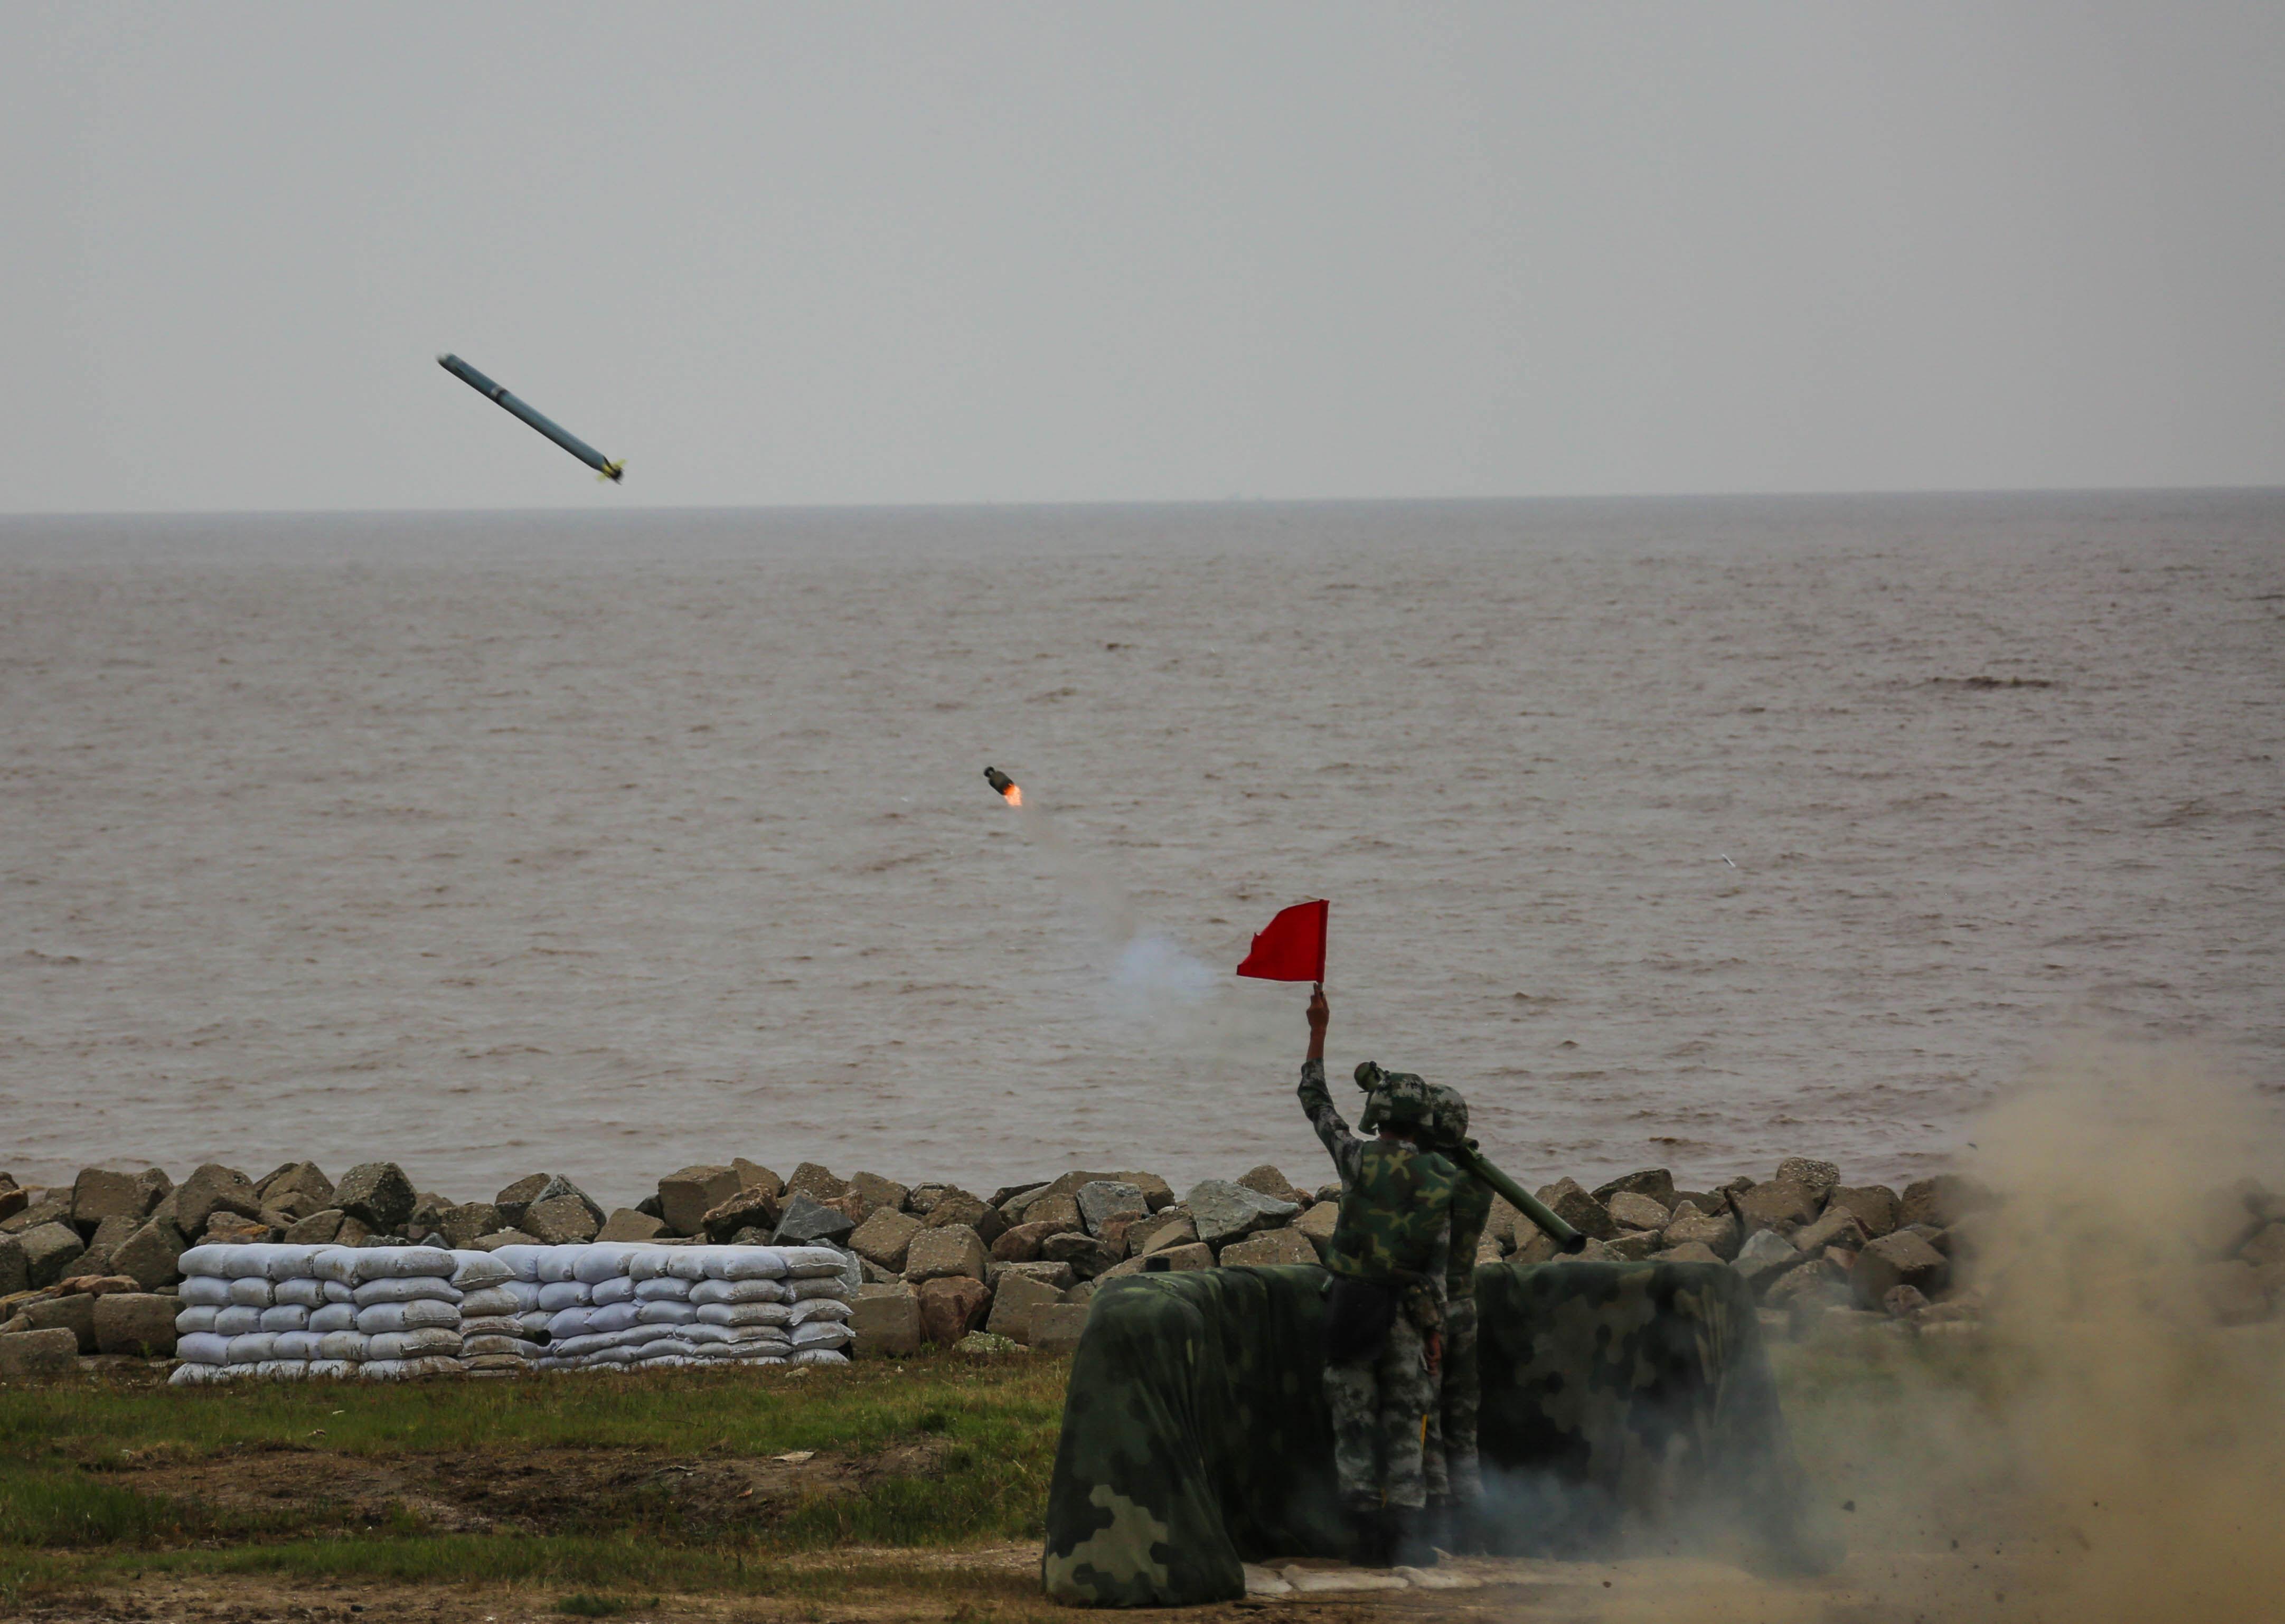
499,396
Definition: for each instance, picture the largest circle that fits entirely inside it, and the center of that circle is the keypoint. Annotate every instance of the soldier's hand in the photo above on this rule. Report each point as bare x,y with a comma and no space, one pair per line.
1320,1013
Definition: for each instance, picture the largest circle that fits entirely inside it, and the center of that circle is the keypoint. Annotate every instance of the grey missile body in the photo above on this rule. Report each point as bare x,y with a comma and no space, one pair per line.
499,396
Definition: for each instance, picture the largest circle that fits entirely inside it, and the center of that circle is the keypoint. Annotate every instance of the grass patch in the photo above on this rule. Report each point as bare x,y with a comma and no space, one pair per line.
582,1605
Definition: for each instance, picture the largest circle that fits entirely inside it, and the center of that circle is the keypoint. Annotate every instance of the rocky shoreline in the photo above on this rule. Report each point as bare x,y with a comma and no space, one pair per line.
91,1270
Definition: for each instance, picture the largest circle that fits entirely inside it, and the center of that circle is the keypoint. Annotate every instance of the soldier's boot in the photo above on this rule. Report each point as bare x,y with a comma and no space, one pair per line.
1436,1522
1369,1534
1409,1544
1469,1528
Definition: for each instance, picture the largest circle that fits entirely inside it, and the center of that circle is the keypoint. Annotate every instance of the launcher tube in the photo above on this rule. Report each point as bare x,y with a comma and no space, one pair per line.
499,396
1472,1162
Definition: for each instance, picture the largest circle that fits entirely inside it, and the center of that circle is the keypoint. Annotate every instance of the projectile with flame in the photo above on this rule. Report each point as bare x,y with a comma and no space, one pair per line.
1005,787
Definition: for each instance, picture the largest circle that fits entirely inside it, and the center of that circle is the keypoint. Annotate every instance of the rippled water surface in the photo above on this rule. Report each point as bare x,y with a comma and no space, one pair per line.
1694,832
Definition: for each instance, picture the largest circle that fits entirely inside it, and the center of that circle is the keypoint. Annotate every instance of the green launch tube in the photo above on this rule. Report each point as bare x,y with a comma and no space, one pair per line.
1470,1161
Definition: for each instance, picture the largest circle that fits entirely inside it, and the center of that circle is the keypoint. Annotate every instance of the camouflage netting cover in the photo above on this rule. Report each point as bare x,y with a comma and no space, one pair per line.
1625,1406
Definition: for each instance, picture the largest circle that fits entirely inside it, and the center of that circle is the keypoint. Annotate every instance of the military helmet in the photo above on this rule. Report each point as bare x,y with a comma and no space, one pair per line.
1448,1115
1400,1100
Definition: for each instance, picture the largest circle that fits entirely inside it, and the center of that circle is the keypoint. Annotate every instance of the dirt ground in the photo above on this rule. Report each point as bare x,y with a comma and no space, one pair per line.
999,1585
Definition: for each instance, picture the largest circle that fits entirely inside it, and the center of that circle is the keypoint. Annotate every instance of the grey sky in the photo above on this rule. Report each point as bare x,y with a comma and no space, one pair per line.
860,254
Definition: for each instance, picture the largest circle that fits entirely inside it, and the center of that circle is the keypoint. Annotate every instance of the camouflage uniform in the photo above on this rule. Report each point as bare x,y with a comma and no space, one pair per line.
1395,1231
1449,1460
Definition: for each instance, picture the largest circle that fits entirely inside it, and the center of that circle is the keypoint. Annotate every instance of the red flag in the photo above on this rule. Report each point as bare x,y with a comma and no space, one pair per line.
1292,947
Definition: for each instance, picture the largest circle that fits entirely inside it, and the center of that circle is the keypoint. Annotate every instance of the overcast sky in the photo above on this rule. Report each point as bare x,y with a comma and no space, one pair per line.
852,253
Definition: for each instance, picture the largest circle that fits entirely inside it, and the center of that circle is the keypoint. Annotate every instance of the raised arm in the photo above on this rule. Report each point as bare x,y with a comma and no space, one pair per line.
1343,1146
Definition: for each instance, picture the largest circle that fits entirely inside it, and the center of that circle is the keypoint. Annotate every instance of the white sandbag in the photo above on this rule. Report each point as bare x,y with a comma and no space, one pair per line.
668,1347
489,1324
286,1316
350,1345
338,1290
751,1346
563,1294
302,1293
811,1262
821,1333
534,1322
204,1291
333,1265
820,1356
334,1316
281,1370
446,1364
382,1370
526,1292
573,1348
567,1324
664,1288
555,1266
474,1271
249,1292
402,1263
486,1302
600,1260
635,1335
739,1291
203,1348
421,1289
192,1319
472,1347
649,1262
332,1369
618,1289
767,1359
277,1262
236,1321
705,1335
802,1291
300,1345
193,1375
414,1344
745,1313
212,1259
612,1316
665,1312
383,1317
819,1308
522,1261
751,1262
251,1350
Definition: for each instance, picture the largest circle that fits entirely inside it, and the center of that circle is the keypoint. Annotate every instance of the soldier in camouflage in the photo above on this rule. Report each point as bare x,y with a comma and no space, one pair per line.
1456,1481
1389,1257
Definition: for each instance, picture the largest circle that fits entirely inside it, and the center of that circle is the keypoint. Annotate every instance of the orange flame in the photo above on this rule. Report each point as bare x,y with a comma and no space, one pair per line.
1015,794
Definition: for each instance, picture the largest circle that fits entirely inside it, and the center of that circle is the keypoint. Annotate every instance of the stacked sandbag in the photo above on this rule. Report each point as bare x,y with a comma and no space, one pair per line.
627,1306
284,1313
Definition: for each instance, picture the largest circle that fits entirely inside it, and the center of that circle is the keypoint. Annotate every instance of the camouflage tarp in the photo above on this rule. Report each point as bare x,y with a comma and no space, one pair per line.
1623,1402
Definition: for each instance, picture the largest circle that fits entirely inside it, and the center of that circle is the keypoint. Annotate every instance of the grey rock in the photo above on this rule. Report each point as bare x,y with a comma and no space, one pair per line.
112,1232
1226,1212
1655,1182
1197,1254
1269,1248
885,1322
1900,1259
138,1322
1086,1256
504,1237
749,1207
626,1224
953,1251
752,1175
461,1225
807,1221
1570,1202
1014,1300
877,1193
1941,1201
957,1206
883,1238
1169,1227
1105,1200
75,1314
376,1193
152,1256
38,1353
1874,1206
1268,1181
559,1221
306,1179
686,1196
817,1182
1903,1302
98,1194
214,1188
321,1229
1718,1234
515,1198
1057,1275
1056,1209
1765,1256
48,1210
1781,1204
1631,1211
15,1268
50,1250
1057,1328
1836,1226
1689,1251
1632,1245
1818,1176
